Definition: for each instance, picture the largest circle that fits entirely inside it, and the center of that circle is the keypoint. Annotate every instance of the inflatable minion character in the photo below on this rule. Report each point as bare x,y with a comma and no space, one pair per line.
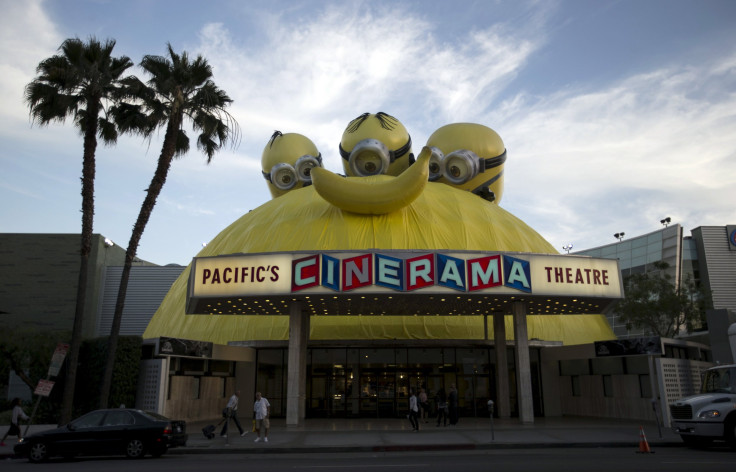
375,144
468,156
287,162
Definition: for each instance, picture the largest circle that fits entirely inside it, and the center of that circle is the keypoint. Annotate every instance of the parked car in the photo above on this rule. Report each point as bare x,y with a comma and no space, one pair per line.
121,431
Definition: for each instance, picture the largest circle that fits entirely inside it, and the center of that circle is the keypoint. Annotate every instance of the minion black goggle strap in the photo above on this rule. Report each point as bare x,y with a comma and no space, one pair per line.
392,155
285,176
483,190
492,162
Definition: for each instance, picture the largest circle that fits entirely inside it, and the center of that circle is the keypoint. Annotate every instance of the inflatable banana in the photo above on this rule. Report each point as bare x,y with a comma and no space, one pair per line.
374,195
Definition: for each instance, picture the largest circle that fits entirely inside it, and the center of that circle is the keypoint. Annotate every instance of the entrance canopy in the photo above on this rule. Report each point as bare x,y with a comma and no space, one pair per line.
386,282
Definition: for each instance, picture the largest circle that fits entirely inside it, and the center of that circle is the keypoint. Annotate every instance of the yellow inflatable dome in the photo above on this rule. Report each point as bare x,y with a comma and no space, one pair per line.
441,217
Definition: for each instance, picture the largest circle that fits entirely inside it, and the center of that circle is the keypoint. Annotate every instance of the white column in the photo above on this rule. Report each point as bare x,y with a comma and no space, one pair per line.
523,366
296,384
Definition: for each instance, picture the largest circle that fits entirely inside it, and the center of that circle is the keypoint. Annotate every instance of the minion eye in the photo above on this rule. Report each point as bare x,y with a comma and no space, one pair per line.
283,176
304,166
435,164
369,157
461,166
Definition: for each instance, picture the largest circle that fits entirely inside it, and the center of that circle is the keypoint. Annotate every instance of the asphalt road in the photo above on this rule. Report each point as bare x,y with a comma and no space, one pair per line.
671,459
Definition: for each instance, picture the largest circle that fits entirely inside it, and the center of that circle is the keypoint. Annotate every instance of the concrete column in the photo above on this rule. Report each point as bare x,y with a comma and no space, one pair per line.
503,405
523,365
296,383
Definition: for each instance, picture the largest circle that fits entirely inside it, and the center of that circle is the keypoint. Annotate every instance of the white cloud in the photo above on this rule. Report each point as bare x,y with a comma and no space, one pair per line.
584,161
315,76
27,36
647,147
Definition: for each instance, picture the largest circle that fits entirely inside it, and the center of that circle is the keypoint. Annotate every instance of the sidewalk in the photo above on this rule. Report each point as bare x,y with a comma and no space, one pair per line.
383,435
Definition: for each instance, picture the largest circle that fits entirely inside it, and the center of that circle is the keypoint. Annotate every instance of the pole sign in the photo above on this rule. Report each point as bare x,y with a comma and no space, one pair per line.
43,389
731,231
57,360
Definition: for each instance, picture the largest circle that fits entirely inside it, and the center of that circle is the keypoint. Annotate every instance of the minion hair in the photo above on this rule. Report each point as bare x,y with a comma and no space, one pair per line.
275,135
387,121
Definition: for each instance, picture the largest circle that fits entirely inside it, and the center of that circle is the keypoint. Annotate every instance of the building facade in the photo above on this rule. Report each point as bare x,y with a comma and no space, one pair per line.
371,378
707,256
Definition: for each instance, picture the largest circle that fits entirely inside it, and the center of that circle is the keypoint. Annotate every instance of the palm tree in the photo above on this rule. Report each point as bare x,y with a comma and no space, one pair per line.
178,89
82,82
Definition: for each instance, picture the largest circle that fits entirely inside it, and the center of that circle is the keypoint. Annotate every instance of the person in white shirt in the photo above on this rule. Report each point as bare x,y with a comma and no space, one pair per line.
262,410
232,413
413,410
15,418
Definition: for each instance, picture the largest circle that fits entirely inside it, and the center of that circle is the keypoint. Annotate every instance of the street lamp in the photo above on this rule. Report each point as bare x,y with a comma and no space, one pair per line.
666,221
619,236
567,247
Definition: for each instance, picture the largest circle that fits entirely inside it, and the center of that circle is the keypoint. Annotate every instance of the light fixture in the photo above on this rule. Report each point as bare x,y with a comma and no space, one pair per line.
619,236
567,247
108,242
666,221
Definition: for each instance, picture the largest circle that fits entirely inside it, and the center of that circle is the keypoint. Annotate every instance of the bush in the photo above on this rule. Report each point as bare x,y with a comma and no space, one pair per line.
93,355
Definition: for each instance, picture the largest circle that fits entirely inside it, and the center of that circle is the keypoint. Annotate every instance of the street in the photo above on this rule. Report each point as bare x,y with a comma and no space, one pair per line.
671,459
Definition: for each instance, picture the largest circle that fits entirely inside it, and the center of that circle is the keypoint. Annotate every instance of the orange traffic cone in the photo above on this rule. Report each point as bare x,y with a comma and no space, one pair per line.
643,444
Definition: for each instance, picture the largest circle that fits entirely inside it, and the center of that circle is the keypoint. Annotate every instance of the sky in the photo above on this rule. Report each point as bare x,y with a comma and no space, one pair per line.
615,114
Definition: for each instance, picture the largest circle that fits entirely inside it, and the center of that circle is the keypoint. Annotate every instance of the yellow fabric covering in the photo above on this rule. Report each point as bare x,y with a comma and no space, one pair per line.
441,218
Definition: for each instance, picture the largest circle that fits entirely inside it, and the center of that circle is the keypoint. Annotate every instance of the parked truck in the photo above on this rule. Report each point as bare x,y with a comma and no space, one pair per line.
711,415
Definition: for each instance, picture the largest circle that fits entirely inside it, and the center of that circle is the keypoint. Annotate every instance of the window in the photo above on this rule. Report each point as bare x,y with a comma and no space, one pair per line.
192,366
195,388
90,420
221,368
574,367
117,418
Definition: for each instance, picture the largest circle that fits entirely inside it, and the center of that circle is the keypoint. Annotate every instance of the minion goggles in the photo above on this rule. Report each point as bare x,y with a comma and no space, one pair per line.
373,157
285,176
461,166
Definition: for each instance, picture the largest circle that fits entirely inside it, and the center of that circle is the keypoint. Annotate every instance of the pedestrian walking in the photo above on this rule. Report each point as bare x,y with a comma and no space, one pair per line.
231,413
441,401
413,411
15,417
423,405
262,410
452,404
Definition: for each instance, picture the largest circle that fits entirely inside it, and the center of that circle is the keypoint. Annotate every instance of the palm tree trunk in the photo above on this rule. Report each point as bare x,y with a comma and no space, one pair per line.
154,189
88,211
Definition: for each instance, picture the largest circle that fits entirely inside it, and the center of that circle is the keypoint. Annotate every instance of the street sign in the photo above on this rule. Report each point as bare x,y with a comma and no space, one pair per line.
43,389
57,359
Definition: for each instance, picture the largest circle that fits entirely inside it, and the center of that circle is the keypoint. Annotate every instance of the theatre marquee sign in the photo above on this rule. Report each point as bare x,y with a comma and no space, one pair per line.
380,272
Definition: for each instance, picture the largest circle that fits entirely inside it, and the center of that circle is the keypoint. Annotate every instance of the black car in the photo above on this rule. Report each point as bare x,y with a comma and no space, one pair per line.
133,433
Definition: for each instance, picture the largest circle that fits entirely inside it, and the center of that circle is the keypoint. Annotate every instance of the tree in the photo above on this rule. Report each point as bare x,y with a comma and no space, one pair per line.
653,302
178,89
27,352
81,82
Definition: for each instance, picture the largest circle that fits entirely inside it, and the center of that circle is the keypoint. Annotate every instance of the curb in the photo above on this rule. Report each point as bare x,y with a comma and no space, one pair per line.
193,450
414,447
